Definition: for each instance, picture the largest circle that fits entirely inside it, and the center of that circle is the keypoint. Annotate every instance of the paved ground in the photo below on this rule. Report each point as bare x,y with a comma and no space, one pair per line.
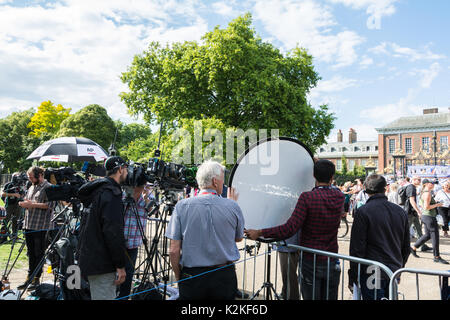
251,272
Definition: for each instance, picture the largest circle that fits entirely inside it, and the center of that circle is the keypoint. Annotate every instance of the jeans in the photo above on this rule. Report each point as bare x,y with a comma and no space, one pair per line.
36,245
125,287
444,212
431,232
319,283
288,267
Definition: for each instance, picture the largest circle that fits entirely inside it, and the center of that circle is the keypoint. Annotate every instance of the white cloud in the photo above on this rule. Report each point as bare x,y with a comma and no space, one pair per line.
223,8
365,62
386,113
73,52
310,25
429,75
397,51
376,9
335,84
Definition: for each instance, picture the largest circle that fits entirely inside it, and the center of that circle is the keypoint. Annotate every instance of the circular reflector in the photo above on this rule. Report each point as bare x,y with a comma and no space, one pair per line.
269,177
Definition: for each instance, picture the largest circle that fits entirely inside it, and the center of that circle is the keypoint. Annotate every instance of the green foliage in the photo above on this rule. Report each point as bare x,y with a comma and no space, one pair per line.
232,76
343,178
47,119
91,122
16,143
344,170
127,133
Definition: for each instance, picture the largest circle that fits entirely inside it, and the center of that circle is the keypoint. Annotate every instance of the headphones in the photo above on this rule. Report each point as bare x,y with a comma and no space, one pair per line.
37,171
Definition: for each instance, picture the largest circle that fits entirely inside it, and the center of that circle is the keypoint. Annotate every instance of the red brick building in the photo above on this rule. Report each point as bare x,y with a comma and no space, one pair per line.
414,140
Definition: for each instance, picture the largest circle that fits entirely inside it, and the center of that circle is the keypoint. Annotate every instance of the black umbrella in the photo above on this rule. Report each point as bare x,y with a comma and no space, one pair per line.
69,149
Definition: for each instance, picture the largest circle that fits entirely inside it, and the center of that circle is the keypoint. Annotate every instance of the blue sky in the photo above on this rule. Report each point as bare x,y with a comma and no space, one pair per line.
378,59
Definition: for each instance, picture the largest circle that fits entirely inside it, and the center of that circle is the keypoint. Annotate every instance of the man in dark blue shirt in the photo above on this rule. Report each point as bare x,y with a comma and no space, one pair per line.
380,232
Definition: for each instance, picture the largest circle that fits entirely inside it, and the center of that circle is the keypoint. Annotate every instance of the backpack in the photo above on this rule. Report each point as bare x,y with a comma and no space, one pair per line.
402,195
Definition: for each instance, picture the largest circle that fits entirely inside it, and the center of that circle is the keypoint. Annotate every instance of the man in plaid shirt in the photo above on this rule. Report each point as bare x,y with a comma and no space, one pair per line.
132,230
38,215
318,215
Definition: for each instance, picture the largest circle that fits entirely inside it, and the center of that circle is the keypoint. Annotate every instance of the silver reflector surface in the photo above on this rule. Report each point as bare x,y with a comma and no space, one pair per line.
269,177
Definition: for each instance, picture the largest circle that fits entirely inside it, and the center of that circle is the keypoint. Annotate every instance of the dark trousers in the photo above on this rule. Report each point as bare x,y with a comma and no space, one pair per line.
431,232
319,282
413,219
207,283
125,287
376,293
444,212
36,245
288,267
13,215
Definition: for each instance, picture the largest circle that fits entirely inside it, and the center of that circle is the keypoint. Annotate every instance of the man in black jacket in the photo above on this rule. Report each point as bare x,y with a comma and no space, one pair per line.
380,232
102,244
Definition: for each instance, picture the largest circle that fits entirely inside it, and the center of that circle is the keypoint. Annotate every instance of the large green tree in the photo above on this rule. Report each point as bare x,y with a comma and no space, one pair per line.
47,119
231,75
92,122
16,143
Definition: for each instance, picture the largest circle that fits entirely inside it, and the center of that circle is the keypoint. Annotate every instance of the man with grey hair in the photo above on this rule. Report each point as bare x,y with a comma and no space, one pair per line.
203,232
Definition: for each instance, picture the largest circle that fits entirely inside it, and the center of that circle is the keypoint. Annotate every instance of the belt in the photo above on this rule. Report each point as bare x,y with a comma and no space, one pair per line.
228,263
222,265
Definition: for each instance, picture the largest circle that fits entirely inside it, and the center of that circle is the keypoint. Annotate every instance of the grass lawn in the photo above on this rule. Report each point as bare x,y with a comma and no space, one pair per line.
5,249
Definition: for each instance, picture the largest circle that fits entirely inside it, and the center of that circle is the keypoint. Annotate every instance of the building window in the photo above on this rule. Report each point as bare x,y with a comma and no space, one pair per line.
363,162
391,146
426,143
322,150
338,165
444,143
351,164
333,149
357,149
367,148
408,145
376,148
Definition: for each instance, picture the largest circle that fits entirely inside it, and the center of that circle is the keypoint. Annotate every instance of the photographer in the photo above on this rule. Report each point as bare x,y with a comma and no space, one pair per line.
203,232
12,194
101,248
38,215
317,215
133,236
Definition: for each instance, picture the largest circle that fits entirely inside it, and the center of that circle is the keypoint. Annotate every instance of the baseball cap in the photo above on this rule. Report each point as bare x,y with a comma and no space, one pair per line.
425,181
113,162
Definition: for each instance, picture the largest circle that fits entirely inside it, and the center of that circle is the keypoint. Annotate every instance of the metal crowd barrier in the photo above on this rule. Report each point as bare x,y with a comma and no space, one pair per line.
393,294
254,270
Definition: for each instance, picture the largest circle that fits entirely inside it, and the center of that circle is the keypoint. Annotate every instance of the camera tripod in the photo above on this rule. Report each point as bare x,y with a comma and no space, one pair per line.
267,285
63,230
155,262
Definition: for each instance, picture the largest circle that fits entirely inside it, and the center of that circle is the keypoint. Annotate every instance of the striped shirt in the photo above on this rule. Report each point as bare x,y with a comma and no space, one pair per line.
133,236
318,215
39,219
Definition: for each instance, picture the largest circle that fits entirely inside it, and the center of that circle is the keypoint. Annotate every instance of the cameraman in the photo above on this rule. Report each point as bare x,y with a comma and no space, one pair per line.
12,194
133,236
101,246
38,215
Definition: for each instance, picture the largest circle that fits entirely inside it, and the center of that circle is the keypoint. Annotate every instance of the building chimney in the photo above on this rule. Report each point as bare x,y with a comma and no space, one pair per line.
430,111
339,136
352,138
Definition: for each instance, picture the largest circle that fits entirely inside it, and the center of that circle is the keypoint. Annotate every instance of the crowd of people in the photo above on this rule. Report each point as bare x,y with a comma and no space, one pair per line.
204,230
